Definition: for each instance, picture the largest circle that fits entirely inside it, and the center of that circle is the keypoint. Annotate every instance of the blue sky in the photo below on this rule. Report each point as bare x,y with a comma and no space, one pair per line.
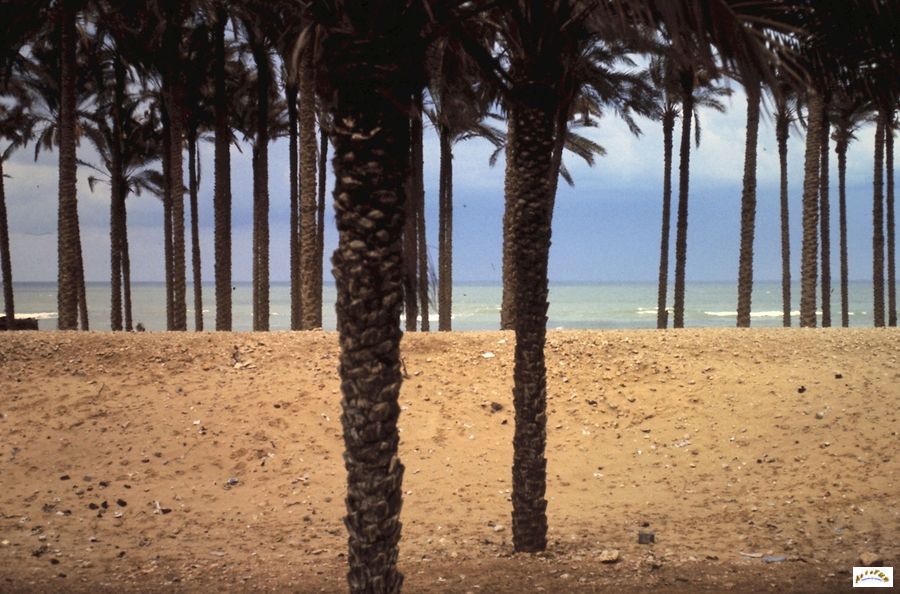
605,229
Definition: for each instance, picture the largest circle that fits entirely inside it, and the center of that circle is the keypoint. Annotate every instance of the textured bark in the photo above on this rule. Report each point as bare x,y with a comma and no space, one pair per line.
532,166
222,190
370,139
662,315
825,218
294,167
167,221
9,306
878,226
126,269
508,303
782,131
176,180
418,194
410,242
681,229
310,297
445,233
841,150
810,247
79,278
116,201
320,219
261,190
193,184
891,241
748,210
67,276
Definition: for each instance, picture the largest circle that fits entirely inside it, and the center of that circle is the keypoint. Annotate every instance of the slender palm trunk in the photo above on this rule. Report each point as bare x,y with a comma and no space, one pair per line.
193,186
532,164
410,242
891,241
371,154
445,233
878,225
167,222
261,191
418,195
681,229
310,297
79,274
748,210
782,131
825,218
67,254
126,268
508,301
810,247
117,201
9,306
320,218
176,181
841,150
662,314
294,167
222,190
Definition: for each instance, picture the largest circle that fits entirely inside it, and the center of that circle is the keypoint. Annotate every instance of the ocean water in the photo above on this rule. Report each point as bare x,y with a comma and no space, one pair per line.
476,306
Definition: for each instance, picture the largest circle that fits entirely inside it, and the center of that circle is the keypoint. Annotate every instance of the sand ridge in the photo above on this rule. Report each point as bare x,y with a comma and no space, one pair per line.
197,462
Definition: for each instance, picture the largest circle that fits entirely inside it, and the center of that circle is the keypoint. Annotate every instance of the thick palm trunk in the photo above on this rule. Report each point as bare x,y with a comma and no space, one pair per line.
418,194
9,306
662,314
370,139
310,297
782,131
445,233
810,247
222,190
261,191
748,210
891,241
878,225
294,167
67,254
193,183
176,181
320,219
508,301
841,150
410,240
532,165
681,229
825,218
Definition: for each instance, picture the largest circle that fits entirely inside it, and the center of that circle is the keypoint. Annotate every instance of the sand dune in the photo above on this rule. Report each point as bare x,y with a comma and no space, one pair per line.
212,462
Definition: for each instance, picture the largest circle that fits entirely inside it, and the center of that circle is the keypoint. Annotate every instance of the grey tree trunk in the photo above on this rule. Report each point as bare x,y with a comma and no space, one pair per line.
748,210
810,247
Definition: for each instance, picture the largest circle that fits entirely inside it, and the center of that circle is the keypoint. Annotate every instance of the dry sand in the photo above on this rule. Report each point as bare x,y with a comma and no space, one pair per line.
117,452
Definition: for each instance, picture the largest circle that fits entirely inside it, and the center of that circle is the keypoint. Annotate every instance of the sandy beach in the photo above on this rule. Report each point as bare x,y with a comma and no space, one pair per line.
762,460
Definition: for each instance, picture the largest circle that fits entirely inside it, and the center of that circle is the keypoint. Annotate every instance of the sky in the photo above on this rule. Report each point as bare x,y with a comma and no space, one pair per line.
605,229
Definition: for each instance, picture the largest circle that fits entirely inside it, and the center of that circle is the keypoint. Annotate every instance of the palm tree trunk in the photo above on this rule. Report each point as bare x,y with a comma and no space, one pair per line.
193,183
810,247
841,150
371,155
532,165
748,210
9,306
878,225
167,222
320,220
825,218
891,241
687,112
79,275
67,277
117,200
782,131
222,191
508,300
312,303
418,194
662,315
445,233
410,240
261,191
126,268
175,106
293,159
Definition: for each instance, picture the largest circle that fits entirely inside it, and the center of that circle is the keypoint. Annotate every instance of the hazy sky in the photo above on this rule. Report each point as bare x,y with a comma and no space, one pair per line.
606,228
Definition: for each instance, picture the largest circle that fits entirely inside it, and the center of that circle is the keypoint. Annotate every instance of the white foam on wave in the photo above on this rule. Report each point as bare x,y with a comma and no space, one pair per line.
41,315
755,314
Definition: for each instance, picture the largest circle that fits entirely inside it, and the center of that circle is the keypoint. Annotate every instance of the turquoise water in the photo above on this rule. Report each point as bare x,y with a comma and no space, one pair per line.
476,306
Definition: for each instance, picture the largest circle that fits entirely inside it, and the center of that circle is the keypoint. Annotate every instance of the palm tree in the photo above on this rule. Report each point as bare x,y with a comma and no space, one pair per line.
890,125
222,189
825,213
748,206
410,229
418,195
786,106
811,179
878,224
310,289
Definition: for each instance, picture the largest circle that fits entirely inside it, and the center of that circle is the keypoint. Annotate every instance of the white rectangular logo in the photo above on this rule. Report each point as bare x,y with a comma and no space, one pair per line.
873,577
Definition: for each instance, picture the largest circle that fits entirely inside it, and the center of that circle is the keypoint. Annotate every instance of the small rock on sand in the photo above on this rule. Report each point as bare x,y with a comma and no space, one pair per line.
609,556
870,559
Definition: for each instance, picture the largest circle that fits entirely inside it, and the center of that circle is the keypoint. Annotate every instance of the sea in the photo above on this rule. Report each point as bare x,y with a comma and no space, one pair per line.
476,306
